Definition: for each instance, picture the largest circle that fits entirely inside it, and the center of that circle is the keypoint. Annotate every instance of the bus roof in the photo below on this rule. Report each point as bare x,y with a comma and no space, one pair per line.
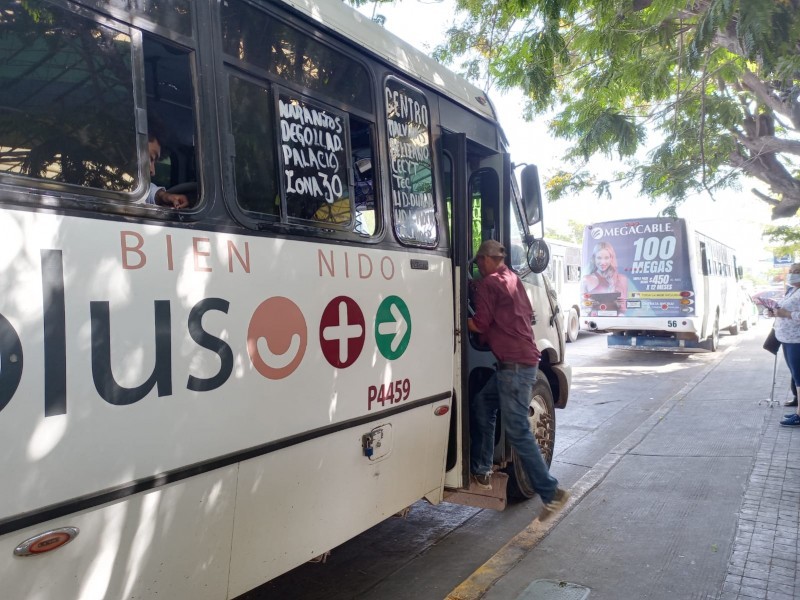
351,24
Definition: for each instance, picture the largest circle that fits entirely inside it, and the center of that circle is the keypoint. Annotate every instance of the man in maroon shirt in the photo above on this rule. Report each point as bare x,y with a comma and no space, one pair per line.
503,316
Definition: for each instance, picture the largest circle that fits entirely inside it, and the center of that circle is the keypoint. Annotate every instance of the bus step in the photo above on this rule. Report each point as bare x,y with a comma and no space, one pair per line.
479,498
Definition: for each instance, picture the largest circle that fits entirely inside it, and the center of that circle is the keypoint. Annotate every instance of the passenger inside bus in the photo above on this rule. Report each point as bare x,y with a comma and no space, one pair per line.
159,196
170,108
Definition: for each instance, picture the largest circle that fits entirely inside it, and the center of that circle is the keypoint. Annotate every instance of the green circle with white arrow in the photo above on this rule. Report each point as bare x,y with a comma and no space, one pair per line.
392,327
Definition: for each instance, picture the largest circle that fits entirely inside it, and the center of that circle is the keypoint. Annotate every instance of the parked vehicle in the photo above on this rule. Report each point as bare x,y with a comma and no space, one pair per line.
564,271
748,310
658,284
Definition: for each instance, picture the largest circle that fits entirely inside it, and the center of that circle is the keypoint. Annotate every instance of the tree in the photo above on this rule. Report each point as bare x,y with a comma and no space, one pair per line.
785,239
573,234
715,83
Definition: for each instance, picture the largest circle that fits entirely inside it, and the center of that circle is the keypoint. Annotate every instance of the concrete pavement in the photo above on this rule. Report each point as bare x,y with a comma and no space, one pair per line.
702,501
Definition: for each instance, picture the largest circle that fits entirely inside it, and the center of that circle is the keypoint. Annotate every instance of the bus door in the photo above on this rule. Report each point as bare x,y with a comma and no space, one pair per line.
479,182
702,303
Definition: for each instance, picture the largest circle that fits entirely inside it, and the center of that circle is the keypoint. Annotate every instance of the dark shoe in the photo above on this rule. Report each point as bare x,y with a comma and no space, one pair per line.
556,504
482,481
786,416
791,421
792,402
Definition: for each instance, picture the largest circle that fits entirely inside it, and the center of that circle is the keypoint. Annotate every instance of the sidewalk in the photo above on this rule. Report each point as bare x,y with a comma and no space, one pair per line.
763,562
701,502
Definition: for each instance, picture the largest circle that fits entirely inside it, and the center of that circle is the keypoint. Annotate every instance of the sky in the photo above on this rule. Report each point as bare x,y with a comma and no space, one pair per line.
735,218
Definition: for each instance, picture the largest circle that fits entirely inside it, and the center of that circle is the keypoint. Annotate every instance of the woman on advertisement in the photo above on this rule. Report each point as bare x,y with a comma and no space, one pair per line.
604,284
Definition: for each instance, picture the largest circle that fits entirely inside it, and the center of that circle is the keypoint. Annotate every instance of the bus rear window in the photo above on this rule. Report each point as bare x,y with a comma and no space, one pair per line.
66,99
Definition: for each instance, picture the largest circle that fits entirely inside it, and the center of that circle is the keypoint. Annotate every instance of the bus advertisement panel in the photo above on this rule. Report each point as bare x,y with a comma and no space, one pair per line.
636,268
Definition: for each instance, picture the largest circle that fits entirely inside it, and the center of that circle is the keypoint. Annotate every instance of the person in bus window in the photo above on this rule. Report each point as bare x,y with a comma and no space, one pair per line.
787,330
159,195
503,315
603,277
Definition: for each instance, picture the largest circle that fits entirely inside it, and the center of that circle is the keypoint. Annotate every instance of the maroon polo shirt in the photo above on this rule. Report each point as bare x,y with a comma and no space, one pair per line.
503,316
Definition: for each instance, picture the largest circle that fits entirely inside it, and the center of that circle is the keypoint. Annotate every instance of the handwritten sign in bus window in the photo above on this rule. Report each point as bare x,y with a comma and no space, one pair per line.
411,180
313,155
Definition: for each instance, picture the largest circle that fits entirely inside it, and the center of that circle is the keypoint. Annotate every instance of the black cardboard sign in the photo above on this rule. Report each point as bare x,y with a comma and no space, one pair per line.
313,155
410,166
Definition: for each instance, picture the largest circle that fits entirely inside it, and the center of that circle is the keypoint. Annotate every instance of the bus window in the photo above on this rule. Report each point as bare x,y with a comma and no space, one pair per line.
447,185
259,40
170,114
484,186
517,253
175,15
313,104
66,100
410,165
361,136
255,162
314,161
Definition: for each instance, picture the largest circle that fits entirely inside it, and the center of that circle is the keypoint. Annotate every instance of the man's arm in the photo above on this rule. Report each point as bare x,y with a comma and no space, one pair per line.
483,317
164,198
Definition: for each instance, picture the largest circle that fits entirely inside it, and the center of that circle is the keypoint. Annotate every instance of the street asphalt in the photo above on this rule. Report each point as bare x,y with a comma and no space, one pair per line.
702,501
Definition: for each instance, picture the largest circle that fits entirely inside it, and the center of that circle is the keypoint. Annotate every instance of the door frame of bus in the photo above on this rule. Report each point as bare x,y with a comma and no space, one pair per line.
455,145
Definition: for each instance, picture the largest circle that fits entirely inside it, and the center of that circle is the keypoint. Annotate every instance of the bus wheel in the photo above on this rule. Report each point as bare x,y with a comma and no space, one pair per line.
715,336
734,329
573,325
542,418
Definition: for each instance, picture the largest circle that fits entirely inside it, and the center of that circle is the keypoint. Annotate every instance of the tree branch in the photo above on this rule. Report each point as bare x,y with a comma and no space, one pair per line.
770,143
764,93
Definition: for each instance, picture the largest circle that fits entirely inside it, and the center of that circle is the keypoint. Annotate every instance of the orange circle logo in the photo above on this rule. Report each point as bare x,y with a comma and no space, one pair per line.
277,337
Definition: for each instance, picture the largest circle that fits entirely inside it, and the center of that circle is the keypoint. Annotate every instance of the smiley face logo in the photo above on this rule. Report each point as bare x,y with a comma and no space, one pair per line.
277,337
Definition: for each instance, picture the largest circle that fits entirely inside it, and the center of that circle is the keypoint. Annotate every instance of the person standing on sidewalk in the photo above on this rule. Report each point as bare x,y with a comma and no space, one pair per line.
787,330
503,315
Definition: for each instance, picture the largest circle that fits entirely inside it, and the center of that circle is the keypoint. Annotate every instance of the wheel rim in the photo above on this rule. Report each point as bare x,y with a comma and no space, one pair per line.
542,424
573,326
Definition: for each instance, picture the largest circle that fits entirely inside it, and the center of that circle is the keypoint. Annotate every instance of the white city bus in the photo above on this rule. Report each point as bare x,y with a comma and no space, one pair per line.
564,271
674,287
195,401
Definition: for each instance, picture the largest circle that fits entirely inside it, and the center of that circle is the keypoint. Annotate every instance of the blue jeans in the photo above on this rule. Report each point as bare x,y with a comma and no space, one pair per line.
791,352
510,391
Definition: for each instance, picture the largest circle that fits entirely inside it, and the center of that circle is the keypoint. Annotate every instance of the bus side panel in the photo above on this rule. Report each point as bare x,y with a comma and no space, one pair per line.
308,501
172,542
170,351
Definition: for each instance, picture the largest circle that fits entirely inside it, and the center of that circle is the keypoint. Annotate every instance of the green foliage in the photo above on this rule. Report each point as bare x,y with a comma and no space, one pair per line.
786,239
709,78
573,234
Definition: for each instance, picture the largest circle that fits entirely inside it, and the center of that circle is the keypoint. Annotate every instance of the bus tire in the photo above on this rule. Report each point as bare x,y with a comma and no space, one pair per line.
542,418
734,329
573,325
714,339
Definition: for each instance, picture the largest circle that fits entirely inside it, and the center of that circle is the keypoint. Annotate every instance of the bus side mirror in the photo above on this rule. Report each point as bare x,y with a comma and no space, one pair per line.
538,255
531,194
